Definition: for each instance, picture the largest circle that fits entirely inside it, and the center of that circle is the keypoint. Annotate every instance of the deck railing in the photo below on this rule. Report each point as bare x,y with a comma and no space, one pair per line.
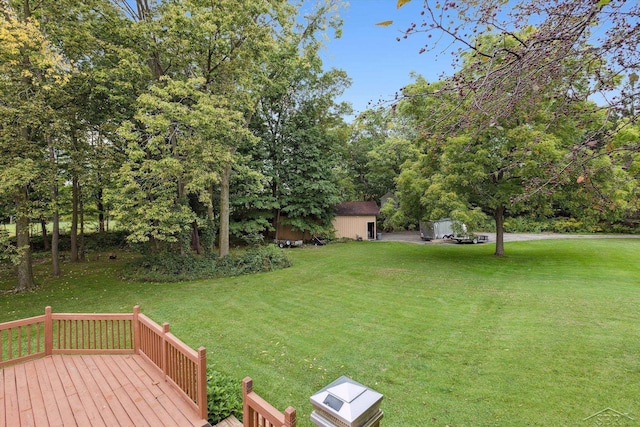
22,340
134,333
181,365
257,412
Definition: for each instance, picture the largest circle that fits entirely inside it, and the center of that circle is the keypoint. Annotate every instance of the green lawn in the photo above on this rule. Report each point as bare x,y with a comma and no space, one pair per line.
451,335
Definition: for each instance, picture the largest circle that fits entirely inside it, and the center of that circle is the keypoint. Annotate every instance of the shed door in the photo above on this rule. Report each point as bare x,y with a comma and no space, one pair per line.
371,230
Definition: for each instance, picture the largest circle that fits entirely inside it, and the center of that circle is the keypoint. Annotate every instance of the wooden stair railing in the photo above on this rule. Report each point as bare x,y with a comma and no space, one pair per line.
257,412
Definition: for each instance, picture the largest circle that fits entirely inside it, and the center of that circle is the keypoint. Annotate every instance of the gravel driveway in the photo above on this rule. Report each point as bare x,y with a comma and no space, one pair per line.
414,237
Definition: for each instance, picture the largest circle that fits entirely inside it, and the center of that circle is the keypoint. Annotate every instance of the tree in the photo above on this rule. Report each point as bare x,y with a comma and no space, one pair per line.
308,191
297,153
558,52
86,38
32,73
499,170
212,63
515,74
171,155
368,131
194,46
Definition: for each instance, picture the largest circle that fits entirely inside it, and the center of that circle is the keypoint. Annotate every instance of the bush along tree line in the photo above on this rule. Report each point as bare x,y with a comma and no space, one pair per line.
194,122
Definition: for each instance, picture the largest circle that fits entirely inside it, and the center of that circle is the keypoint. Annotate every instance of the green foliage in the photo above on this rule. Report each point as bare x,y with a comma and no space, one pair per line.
109,240
534,163
8,251
175,267
224,396
174,155
213,65
394,218
297,154
378,146
562,224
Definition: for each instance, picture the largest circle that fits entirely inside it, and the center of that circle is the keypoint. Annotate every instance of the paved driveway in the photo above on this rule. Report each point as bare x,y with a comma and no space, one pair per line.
414,237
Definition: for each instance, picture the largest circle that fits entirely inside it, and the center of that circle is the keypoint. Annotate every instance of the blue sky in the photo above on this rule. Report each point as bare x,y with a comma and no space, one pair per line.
378,64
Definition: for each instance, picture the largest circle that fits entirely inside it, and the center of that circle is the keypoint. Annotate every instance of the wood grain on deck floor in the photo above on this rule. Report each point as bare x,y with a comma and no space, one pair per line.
112,390
229,422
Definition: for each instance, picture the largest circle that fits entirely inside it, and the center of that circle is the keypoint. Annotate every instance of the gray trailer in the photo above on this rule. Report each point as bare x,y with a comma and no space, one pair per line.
435,230
445,228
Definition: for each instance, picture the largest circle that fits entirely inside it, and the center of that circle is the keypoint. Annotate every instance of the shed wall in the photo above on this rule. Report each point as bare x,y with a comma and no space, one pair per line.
351,227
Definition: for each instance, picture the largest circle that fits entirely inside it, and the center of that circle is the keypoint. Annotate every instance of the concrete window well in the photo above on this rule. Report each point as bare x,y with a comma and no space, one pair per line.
346,403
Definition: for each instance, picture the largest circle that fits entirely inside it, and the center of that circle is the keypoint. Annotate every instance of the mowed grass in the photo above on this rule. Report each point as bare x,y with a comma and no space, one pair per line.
548,335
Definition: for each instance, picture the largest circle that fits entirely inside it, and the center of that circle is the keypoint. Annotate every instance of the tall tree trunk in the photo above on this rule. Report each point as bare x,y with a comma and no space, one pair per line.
210,223
225,178
55,214
55,241
100,206
81,247
276,224
74,219
276,211
25,271
195,238
498,215
45,239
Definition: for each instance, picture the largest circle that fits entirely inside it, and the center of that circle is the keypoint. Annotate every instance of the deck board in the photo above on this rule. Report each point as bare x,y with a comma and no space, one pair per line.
24,402
142,401
81,390
12,414
229,422
142,387
37,400
86,400
107,393
63,404
123,398
180,411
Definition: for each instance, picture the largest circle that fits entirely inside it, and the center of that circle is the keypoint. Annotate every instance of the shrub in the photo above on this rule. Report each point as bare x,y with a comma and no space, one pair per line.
174,267
93,241
567,225
224,396
523,224
107,240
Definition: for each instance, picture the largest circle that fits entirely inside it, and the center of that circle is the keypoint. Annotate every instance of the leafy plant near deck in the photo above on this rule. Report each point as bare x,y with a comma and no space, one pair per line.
224,396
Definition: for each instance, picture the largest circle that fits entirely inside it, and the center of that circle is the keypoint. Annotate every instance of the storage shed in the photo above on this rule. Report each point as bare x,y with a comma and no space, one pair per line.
355,220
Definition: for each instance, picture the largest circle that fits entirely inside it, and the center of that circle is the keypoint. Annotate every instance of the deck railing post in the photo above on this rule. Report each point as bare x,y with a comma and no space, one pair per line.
165,350
136,329
247,387
48,331
290,417
202,383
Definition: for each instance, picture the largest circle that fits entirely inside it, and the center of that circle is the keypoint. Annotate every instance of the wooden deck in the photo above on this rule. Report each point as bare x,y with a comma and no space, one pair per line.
110,369
91,390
